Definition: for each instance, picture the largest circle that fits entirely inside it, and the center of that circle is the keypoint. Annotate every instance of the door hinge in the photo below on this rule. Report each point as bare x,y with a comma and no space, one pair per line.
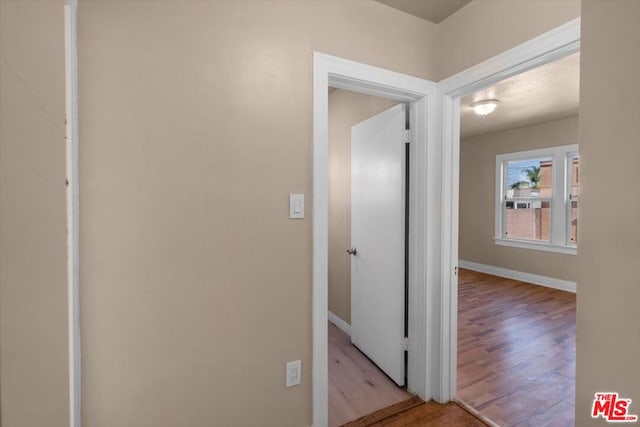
407,136
405,344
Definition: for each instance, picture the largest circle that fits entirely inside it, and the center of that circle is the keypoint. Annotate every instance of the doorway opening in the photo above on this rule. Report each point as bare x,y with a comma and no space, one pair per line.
518,205
422,343
458,93
368,249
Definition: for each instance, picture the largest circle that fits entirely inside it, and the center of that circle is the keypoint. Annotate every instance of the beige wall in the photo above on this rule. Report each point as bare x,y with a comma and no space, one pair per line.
346,109
33,276
608,314
196,124
485,28
477,198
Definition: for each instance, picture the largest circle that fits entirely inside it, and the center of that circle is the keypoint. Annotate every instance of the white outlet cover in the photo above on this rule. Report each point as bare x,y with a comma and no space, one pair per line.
293,373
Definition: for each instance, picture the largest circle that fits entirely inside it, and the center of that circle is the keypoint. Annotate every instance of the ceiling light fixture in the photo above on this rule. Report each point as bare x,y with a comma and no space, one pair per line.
484,107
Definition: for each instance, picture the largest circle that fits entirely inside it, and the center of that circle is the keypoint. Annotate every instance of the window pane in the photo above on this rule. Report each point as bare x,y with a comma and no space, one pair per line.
528,178
574,223
530,220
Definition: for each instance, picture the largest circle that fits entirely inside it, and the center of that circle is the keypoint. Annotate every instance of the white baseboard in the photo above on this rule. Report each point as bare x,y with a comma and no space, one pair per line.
341,324
550,282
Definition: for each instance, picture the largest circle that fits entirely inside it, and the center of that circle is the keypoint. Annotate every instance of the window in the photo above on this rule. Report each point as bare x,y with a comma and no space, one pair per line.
537,199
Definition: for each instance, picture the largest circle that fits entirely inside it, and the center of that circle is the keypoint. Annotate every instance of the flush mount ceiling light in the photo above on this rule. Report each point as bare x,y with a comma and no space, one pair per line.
484,107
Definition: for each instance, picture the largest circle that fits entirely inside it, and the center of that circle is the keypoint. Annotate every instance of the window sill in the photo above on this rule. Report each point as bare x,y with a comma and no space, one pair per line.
537,246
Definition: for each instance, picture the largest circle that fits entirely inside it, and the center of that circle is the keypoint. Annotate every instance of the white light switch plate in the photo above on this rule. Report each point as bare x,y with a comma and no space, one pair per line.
296,206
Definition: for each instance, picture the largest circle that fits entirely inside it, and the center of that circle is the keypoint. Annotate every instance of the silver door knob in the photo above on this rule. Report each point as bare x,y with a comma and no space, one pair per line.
352,251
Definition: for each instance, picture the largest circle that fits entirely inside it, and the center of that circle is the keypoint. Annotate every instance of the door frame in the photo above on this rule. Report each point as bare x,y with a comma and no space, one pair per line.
73,211
543,49
424,217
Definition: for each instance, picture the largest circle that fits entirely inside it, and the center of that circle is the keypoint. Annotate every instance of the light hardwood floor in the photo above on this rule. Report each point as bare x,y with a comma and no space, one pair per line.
414,412
516,351
356,386
432,414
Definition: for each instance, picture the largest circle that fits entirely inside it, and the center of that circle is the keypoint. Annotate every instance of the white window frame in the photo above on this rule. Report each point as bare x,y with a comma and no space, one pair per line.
562,174
569,169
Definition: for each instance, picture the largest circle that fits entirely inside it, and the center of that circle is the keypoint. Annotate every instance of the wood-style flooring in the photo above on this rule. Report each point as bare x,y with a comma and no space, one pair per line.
414,412
357,387
516,351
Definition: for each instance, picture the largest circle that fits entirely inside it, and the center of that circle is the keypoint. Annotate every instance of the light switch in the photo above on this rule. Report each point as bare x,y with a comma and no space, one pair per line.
296,206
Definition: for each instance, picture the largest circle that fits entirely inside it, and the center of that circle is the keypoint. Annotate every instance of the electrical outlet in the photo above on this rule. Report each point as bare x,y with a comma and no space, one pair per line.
294,373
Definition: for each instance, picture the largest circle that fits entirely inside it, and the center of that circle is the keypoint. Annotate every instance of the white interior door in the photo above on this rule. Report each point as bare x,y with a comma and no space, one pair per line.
378,235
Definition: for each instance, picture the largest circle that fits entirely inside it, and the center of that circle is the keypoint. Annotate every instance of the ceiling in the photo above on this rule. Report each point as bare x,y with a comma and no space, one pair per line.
549,92
431,10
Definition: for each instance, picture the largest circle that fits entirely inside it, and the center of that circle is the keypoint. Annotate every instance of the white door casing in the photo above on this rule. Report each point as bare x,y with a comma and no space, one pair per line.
378,235
424,209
